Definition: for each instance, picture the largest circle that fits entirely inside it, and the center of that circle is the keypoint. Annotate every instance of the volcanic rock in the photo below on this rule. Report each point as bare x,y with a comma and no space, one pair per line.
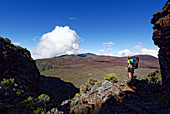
16,63
161,37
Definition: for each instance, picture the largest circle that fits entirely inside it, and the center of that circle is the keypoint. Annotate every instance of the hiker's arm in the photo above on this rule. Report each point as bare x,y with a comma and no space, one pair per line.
128,66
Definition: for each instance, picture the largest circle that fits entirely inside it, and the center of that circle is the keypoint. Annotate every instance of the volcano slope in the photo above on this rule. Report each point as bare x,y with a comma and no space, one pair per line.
77,69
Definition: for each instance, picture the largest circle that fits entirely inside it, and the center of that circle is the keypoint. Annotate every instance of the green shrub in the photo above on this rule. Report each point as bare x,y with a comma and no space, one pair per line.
11,79
29,98
38,110
76,94
19,92
163,102
83,89
92,81
154,77
34,105
9,46
88,88
44,97
6,81
73,103
111,77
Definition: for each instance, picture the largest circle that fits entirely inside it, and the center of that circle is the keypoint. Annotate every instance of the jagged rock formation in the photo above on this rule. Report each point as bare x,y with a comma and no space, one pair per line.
19,79
161,37
16,62
22,89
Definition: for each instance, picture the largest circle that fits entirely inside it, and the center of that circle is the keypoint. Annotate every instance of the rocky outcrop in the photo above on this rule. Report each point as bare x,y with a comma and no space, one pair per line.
161,37
107,97
92,101
22,89
16,63
91,98
19,80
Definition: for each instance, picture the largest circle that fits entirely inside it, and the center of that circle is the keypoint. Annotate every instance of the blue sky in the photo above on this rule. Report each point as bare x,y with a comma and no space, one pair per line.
126,23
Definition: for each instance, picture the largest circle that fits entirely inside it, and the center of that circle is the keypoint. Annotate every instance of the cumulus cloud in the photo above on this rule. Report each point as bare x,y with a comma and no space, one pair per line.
151,51
62,40
137,50
109,44
123,53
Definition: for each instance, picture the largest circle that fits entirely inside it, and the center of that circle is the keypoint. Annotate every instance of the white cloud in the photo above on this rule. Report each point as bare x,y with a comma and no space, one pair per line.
16,43
62,40
109,44
73,18
101,51
136,50
139,51
109,49
151,51
35,38
123,53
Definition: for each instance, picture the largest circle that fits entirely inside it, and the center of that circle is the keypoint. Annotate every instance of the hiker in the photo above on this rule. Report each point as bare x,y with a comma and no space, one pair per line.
130,68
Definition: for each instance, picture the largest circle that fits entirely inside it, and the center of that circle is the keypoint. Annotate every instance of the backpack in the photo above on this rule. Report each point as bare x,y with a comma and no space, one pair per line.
134,61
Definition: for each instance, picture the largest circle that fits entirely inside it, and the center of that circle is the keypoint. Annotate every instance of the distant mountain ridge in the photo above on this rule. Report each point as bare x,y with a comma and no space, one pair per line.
83,66
90,57
87,54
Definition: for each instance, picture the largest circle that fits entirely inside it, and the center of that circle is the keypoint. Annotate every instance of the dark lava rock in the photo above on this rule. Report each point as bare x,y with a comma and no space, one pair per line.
161,37
16,62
